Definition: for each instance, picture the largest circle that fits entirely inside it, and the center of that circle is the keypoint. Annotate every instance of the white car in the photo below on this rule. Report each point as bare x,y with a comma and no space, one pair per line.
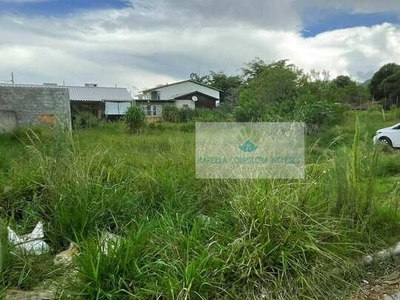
389,136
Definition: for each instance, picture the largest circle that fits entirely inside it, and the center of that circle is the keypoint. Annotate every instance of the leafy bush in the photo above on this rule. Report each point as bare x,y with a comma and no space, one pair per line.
186,115
171,114
226,111
175,115
135,118
85,120
317,113
306,108
209,115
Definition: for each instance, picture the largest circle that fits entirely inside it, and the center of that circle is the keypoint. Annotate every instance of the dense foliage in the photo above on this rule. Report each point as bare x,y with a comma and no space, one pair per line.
135,118
377,84
228,85
280,91
175,115
84,120
170,113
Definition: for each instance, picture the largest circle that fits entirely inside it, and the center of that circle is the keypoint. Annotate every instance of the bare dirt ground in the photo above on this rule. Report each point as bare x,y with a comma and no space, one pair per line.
385,288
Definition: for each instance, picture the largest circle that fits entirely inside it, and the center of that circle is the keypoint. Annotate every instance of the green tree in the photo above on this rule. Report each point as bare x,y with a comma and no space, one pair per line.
220,80
353,94
391,88
201,79
273,88
319,85
228,84
348,91
343,81
376,89
253,69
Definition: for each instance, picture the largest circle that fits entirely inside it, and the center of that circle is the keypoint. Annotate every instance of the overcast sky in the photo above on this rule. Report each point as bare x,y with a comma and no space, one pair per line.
138,44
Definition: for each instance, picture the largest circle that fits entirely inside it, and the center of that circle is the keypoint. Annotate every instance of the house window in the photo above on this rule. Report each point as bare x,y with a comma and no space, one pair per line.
150,110
155,95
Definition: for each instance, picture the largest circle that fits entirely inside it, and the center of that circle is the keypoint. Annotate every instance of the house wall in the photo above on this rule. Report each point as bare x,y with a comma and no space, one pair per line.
181,103
33,105
171,91
159,106
203,101
8,120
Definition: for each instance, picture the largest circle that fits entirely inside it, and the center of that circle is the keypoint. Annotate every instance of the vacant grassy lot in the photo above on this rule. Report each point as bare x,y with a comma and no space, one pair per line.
184,238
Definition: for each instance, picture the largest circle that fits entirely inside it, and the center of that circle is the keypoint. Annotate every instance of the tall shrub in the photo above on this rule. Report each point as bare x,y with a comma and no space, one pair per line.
186,114
171,114
135,118
85,120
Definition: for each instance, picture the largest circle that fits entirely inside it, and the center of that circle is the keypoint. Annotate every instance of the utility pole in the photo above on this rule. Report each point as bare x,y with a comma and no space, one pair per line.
12,78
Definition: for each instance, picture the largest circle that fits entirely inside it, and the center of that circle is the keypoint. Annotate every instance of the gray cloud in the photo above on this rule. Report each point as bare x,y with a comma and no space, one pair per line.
356,6
167,40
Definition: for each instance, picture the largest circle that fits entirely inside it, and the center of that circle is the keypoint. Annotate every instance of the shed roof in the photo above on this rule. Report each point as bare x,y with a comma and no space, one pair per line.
83,93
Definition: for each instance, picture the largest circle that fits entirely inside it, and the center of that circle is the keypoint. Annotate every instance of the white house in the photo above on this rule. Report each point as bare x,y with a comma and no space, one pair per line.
183,94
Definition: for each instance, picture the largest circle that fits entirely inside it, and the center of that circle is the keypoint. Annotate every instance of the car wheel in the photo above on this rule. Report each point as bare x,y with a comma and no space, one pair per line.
386,141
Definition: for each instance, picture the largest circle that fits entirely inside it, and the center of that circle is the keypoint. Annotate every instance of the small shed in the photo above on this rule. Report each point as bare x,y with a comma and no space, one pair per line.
111,102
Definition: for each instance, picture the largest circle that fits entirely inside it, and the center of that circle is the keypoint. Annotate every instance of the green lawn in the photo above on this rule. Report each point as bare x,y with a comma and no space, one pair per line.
185,238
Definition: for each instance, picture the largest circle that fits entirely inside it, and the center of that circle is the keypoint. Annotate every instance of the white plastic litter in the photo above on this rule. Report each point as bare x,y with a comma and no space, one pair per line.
109,241
31,243
65,257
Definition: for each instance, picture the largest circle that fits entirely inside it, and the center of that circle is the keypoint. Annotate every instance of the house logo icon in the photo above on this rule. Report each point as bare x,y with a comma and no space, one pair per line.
248,146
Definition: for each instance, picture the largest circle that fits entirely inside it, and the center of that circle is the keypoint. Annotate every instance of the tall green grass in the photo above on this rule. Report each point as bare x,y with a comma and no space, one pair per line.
182,238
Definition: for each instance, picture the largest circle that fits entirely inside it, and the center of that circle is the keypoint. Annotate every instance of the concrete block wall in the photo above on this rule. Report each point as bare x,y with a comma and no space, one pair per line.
8,120
33,105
